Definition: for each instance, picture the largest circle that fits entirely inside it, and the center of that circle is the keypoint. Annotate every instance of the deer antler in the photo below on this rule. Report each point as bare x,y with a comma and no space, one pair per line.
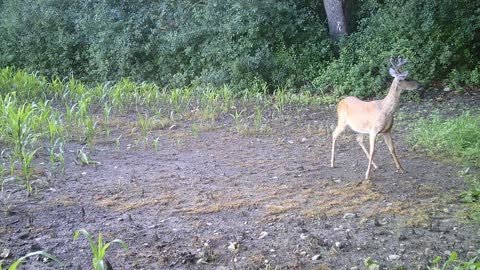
398,63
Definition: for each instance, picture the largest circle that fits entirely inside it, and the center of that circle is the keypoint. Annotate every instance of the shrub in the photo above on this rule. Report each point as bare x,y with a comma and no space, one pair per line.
436,36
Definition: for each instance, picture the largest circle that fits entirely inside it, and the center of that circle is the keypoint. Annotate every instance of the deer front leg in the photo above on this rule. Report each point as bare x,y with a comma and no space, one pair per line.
391,148
360,142
338,130
370,158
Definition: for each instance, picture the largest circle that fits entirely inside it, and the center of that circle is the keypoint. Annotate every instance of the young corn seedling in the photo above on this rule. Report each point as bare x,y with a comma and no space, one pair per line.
280,97
18,131
106,118
56,153
195,129
155,144
228,99
117,142
258,121
144,123
70,112
61,154
89,132
98,249
15,265
237,117
27,168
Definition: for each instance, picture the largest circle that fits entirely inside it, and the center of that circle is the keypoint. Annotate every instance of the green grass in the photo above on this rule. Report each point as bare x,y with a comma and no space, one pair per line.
455,263
455,139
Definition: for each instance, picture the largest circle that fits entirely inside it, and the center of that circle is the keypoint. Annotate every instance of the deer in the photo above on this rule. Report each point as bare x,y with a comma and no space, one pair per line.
374,117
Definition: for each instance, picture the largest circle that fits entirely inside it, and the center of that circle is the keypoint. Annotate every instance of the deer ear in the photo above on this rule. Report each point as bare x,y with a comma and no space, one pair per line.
393,72
402,76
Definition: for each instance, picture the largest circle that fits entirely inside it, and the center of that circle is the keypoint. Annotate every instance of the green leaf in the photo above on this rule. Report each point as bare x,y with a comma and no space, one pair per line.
42,253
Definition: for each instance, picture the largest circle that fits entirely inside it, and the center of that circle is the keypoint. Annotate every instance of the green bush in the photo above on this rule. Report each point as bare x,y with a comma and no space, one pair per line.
279,43
436,36
172,42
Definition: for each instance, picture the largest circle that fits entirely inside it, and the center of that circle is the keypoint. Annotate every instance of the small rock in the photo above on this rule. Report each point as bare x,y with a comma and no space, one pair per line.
303,253
303,236
393,257
338,244
263,235
24,235
35,247
349,216
316,257
5,253
233,246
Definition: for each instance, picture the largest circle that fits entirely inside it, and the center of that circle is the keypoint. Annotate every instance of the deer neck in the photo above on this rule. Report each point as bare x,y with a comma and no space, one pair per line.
391,102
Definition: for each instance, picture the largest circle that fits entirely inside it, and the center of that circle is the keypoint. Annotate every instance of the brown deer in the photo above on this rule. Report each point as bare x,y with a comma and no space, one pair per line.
374,117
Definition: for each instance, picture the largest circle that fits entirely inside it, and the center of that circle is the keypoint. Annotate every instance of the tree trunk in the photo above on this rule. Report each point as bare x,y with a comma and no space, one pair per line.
337,23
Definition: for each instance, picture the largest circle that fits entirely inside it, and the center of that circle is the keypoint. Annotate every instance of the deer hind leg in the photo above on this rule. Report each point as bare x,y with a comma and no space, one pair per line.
338,130
360,142
391,148
372,151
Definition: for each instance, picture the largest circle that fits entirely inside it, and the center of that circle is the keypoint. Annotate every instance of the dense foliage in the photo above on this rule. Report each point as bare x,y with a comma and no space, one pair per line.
243,43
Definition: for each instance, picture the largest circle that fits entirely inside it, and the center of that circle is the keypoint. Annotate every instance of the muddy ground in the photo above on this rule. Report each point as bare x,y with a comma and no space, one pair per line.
213,198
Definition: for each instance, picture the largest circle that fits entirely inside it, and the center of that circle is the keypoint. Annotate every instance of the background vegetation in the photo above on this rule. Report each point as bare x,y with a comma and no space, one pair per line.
242,43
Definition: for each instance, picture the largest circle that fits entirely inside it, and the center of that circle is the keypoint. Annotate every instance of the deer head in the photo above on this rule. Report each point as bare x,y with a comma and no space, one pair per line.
400,77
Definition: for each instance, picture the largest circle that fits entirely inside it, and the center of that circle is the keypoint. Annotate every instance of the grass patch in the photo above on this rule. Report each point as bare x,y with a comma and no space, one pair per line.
456,139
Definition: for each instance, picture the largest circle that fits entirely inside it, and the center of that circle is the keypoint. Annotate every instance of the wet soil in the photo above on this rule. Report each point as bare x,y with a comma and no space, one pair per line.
215,198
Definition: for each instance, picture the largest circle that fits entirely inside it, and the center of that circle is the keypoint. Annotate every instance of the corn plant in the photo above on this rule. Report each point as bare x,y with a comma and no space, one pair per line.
18,130
258,120
281,99
61,155
15,265
195,129
55,127
155,144
209,100
57,153
237,118
27,169
117,142
89,131
70,112
98,249
228,99
106,118
144,123
175,98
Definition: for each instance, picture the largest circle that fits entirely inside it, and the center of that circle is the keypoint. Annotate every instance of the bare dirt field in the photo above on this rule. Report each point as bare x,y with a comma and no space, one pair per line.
214,198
